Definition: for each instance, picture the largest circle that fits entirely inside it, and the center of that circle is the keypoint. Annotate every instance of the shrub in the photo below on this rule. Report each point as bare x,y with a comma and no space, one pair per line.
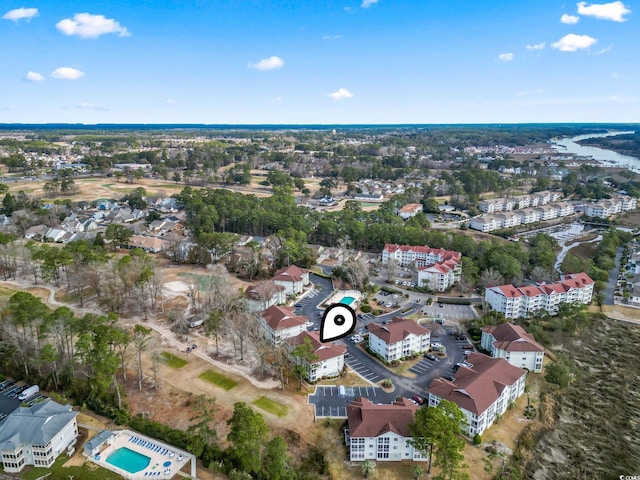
365,308
477,439
387,383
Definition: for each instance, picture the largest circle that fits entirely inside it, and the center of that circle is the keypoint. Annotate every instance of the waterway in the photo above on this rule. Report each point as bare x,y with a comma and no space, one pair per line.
609,157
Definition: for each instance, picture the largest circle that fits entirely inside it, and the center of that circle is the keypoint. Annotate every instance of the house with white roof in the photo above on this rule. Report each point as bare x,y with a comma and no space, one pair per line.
329,356
399,338
36,435
280,323
514,344
292,278
482,389
381,431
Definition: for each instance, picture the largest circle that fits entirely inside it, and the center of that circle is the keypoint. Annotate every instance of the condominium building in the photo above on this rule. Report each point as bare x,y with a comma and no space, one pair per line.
437,268
482,389
514,344
380,431
516,302
607,208
488,223
399,338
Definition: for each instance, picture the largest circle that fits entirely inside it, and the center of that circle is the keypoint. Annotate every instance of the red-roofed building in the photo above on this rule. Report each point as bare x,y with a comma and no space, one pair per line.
482,388
437,268
399,338
264,294
380,431
512,343
330,357
280,323
516,302
409,210
292,278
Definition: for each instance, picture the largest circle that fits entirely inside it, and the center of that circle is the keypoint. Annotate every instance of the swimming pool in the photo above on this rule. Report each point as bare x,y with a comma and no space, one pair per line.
128,460
347,300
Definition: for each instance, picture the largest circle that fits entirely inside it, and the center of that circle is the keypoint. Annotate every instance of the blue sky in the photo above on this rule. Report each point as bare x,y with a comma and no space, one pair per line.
384,61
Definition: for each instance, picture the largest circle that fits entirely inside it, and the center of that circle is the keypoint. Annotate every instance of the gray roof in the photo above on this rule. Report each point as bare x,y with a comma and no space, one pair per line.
98,440
35,425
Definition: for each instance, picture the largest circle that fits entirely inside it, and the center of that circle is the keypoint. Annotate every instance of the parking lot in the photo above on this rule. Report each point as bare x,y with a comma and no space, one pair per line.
450,312
423,366
328,403
363,370
10,390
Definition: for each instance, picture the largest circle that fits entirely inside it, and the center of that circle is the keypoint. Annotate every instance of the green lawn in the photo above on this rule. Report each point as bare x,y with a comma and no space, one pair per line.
89,471
271,406
204,281
172,361
218,379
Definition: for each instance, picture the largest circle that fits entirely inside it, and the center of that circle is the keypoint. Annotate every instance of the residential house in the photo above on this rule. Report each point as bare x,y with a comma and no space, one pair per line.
482,388
36,435
380,431
36,232
409,210
54,234
329,360
264,294
280,323
292,278
399,338
148,243
516,302
512,343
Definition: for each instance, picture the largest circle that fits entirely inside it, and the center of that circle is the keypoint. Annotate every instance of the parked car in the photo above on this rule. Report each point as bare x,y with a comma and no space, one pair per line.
467,347
430,356
440,305
418,399
451,378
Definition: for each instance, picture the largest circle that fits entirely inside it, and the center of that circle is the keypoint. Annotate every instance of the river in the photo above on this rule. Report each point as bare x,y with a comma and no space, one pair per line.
569,145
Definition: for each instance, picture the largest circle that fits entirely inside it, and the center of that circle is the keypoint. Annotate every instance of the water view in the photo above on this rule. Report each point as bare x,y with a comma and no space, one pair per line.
569,145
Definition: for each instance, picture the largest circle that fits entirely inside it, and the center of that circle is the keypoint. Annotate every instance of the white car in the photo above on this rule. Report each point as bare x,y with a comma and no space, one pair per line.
436,345
356,339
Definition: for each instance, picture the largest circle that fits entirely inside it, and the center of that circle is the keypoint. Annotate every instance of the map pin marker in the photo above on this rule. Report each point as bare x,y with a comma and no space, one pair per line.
338,321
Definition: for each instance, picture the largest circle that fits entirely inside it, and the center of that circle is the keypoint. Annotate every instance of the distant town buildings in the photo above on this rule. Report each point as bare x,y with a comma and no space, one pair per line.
607,208
517,302
380,431
482,388
438,269
512,343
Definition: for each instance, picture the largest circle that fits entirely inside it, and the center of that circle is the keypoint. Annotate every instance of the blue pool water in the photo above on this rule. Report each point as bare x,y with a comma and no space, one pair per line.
347,300
128,460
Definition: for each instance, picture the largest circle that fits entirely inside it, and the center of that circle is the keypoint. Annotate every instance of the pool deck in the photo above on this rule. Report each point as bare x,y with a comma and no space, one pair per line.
158,452
340,294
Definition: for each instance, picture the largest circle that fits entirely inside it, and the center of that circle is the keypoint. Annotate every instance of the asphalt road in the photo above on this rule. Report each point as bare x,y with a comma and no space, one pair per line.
613,279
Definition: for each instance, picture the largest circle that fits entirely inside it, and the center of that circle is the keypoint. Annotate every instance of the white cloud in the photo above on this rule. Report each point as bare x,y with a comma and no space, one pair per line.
270,63
340,94
86,25
18,14
569,19
33,77
368,3
331,37
536,46
67,73
573,42
91,106
604,50
614,11
505,57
